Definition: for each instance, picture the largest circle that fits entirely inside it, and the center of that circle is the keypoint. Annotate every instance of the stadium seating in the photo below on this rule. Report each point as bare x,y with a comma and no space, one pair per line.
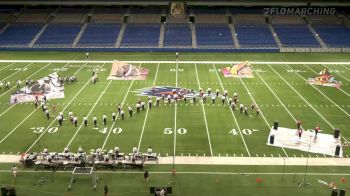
19,33
210,18
334,35
287,19
249,19
59,33
177,35
4,17
143,35
257,35
213,35
295,35
100,34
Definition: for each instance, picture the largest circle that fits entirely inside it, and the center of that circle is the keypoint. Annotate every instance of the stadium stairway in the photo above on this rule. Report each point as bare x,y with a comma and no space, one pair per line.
38,35
4,28
234,37
120,36
194,38
161,36
317,37
79,35
274,35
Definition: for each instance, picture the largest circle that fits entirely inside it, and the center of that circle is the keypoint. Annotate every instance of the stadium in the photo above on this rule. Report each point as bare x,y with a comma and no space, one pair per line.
142,97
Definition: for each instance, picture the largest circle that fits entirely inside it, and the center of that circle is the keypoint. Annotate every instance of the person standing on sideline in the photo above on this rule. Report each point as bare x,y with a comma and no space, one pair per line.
105,188
14,171
146,175
87,56
177,56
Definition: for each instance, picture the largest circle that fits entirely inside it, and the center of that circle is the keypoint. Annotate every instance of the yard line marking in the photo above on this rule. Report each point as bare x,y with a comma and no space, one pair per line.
93,107
325,96
344,66
123,102
8,66
76,95
145,120
175,116
338,74
233,115
204,115
262,114
3,139
16,72
290,86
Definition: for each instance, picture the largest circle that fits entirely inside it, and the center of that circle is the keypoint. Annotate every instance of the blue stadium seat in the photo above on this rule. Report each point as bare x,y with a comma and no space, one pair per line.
100,34
59,33
295,35
214,35
20,33
141,35
334,35
177,35
254,35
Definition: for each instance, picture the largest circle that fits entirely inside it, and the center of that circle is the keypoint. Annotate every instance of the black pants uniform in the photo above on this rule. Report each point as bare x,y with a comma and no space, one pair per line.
130,113
48,116
157,102
149,105
240,109
85,123
95,123
60,122
185,99
143,107
113,117
75,123
122,116
245,112
194,99
137,109
104,121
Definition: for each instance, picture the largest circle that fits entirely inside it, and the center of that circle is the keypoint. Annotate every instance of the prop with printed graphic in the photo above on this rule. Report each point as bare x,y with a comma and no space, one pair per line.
49,86
324,78
124,71
240,70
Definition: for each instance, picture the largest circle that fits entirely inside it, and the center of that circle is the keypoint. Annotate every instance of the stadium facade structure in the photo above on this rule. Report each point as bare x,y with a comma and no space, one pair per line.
133,26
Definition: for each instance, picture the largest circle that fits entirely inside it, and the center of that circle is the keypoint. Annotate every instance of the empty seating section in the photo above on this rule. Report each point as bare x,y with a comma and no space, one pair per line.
146,11
213,35
4,17
60,33
107,18
324,19
209,11
68,18
334,35
257,35
249,19
100,34
144,18
143,35
19,33
294,35
33,17
210,18
287,19
177,35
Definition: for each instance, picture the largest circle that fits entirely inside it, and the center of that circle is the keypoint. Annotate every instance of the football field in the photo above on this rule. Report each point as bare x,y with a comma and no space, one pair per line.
279,89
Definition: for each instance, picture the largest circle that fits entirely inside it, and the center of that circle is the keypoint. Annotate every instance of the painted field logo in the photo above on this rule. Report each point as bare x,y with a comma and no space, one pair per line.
160,91
241,70
324,78
124,71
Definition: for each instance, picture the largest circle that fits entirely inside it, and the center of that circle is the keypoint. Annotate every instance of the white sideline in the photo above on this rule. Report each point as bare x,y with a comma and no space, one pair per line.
233,114
145,120
47,128
257,161
181,62
204,114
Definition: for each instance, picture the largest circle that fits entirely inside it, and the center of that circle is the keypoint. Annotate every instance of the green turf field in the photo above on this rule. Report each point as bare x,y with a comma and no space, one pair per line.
279,90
